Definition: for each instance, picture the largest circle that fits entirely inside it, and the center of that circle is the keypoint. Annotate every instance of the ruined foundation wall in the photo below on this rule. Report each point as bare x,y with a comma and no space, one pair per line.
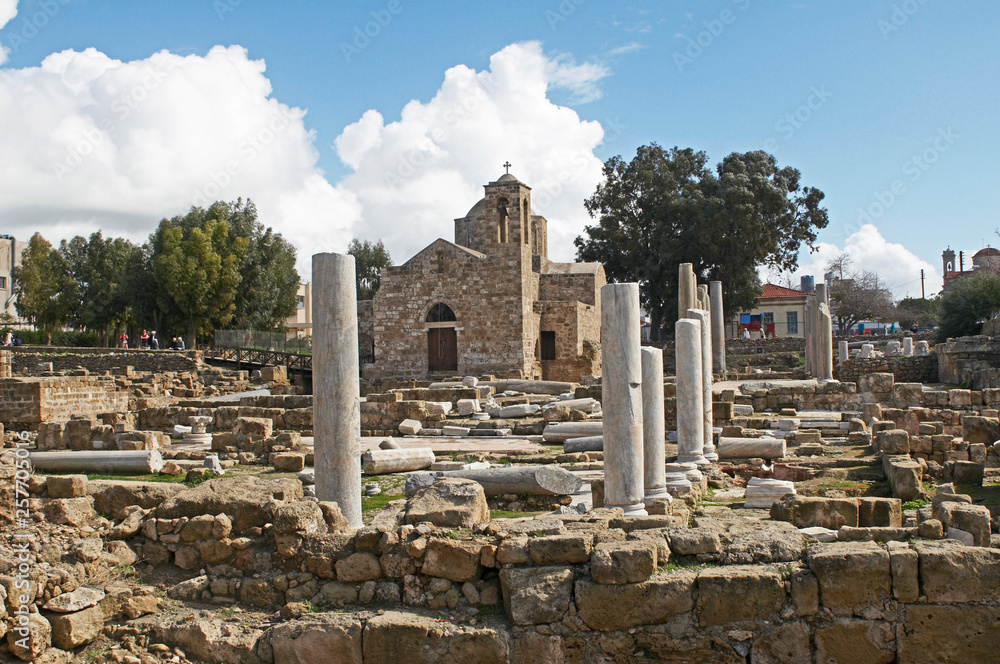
970,361
99,360
30,401
905,369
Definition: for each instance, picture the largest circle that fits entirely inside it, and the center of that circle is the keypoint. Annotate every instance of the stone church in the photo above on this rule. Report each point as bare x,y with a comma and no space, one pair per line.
491,302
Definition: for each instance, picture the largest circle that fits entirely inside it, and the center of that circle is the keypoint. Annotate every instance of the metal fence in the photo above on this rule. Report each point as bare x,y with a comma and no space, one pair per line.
287,342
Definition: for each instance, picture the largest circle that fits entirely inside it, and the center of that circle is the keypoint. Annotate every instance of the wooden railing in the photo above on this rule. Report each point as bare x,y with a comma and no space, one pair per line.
258,357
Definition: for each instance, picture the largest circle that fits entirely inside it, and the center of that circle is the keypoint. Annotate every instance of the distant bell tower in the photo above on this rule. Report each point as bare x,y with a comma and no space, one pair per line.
948,260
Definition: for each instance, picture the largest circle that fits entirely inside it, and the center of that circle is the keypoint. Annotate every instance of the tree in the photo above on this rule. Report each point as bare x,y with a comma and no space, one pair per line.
918,311
969,302
666,207
269,282
856,296
369,261
197,269
44,287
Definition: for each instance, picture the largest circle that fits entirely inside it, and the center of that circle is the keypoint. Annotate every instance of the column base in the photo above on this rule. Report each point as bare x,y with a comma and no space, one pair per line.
654,494
712,456
696,459
638,509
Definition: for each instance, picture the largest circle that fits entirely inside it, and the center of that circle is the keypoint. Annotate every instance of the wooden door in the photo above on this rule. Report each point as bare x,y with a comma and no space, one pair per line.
442,349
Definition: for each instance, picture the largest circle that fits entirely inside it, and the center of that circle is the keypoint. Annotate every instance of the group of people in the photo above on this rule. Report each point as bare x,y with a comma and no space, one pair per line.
10,340
148,341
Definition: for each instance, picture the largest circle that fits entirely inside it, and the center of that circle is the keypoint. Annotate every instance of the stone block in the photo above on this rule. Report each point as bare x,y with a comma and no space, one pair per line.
619,607
288,462
67,486
946,575
570,548
855,641
695,541
455,560
358,568
787,644
255,428
973,519
968,473
893,441
852,576
804,592
312,639
449,502
905,477
880,512
732,594
936,634
536,595
71,630
409,427
904,565
808,511
623,562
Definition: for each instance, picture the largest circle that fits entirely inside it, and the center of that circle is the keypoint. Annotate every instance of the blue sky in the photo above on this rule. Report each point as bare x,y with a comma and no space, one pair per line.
888,107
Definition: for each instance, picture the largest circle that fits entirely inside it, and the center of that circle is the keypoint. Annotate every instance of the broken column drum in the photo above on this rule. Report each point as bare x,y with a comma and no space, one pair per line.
690,396
621,387
654,435
845,351
718,328
687,289
336,392
708,448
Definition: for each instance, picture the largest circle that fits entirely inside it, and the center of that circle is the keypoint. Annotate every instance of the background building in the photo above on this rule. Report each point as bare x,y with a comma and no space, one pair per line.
780,312
11,251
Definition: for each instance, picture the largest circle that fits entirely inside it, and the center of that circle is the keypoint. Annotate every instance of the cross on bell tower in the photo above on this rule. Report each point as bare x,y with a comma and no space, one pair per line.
507,166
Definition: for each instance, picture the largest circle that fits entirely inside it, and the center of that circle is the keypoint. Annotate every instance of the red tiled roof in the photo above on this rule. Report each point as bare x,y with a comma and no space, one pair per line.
952,275
773,291
988,251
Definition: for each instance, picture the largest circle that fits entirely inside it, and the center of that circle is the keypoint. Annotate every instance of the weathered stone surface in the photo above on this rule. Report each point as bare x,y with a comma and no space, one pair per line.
808,511
695,541
945,634
112,498
787,644
455,560
66,486
570,548
736,593
905,576
804,592
407,637
536,595
613,607
317,638
70,630
881,512
77,600
358,567
968,473
905,476
257,428
77,512
973,519
409,427
947,567
623,562
450,502
852,576
301,516
855,641
248,501
984,430
30,646
893,441
288,462
210,639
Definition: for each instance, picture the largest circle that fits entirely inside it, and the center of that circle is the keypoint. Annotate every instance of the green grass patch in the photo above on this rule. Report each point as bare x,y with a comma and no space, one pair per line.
916,504
168,479
392,489
670,568
510,514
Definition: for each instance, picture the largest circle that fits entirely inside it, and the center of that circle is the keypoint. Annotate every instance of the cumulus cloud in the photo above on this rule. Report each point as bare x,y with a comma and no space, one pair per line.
897,267
415,176
91,142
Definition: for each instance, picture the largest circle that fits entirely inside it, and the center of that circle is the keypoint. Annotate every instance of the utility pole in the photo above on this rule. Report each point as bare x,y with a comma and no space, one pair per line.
923,295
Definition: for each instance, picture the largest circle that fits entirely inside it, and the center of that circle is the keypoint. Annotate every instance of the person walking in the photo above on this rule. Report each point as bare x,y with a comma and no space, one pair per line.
124,340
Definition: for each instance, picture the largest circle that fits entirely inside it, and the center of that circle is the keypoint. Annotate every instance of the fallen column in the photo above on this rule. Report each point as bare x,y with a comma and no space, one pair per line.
336,391
382,462
560,432
534,480
747,448
109,462
690,395
718,328
587,405
708,448
653,426
584,444
552,387
621,385
687,289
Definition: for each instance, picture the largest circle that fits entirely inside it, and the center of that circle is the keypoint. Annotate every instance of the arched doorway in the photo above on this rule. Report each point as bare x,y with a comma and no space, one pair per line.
442,339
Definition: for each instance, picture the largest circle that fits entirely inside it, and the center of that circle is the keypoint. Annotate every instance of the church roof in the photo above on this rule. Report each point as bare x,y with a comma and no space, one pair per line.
573,268
476,210
507,177
773,291
451,245
988,251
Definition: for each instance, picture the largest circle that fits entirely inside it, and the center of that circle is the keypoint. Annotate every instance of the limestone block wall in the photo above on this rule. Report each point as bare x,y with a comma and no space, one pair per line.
970,361
904,369
5,366
99,360
366,332
31,401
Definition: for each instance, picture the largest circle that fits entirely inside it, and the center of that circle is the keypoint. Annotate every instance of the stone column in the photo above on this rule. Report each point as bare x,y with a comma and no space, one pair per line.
336,392
690,396
621,385
654,430
845,352
718,328
824,343
811,335
907,346
702,299
687,289
708,449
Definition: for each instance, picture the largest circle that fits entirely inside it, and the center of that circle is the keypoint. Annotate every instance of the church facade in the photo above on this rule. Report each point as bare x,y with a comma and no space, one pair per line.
491,302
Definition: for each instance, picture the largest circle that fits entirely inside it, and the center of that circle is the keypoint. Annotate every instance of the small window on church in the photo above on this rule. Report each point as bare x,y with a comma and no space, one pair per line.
440,313
548,345
526,222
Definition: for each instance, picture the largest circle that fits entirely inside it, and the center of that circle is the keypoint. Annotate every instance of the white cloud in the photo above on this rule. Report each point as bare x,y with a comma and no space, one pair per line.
897,267
8,10
415,176
90,142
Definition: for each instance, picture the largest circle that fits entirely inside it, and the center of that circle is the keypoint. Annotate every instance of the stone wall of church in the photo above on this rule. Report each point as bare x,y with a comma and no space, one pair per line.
486,296
570,287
